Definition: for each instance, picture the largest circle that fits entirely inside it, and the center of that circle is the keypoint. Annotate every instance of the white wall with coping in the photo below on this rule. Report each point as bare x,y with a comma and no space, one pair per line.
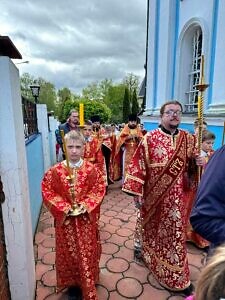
42,120
53,126
13,170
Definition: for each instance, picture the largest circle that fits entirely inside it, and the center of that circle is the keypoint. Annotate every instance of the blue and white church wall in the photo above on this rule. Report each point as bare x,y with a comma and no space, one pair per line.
172,26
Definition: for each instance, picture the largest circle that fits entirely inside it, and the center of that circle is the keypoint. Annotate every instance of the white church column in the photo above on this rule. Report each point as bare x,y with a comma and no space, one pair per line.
13,170
161,46
217,66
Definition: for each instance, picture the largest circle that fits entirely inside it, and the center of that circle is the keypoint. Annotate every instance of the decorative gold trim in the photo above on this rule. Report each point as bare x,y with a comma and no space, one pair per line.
131,192
135,178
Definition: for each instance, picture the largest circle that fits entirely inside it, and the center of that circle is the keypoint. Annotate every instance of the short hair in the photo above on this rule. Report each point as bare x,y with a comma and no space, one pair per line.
211,281
197,122
72,111
88,123
75,136
175,102
208,135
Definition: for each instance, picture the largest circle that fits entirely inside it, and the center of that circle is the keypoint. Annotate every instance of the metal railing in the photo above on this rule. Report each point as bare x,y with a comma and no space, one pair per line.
29,117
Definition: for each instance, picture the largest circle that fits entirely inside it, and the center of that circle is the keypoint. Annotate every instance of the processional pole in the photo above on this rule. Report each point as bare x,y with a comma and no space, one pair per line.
223,136
202,86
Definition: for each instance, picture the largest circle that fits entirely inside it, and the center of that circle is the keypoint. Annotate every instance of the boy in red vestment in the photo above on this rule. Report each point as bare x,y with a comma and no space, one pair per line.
93,149
73,191
208,139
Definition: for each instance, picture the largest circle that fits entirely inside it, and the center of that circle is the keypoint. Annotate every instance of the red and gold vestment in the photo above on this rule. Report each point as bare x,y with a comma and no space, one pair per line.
130,145
93,153
193,236
78,246
156,173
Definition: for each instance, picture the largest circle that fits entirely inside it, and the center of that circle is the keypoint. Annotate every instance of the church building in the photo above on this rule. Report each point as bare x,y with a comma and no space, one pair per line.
185,39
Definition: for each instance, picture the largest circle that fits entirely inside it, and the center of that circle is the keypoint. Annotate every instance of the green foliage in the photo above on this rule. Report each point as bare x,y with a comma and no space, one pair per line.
25,81
91,108
126,105
135,107
132,82
114,100
47,94
47,90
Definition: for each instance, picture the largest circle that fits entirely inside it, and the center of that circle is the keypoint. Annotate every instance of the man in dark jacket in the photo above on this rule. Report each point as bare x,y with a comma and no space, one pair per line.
208,214
72,123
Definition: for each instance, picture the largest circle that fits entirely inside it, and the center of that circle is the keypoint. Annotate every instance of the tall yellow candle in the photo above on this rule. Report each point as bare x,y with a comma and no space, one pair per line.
81,114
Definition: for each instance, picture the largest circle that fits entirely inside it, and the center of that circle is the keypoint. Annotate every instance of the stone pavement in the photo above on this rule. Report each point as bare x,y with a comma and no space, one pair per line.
120,277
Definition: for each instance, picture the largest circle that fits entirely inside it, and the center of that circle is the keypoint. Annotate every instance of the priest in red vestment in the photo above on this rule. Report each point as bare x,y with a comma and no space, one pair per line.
127,143
93,150
158,176
73,191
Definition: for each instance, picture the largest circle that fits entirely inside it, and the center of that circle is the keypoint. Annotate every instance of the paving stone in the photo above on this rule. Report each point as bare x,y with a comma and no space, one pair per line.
110,213
129,244
42,251
129,287
110,248
136,272
49,242
109,279
102,292
49,231
150,292
124,232
116,222
40,237
129,211
104,258
41,269
49,278
104,235
42,292
125,253
116,239
49,258
117,265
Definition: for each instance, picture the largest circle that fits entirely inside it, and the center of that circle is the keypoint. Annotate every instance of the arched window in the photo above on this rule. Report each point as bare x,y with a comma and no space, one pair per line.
194,74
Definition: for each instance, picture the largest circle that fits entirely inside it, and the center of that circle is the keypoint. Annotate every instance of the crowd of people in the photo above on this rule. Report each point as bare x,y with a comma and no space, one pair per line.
160,169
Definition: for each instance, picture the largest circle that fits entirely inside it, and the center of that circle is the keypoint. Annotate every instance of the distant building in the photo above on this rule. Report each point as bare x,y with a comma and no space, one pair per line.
179,32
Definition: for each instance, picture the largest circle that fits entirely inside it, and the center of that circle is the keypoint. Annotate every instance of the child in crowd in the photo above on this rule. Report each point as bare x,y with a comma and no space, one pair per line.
211,284
208,139
73,191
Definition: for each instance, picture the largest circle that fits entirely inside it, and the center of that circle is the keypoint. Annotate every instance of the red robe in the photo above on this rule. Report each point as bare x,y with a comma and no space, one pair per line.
157,173
78,246
193,236
109,141
130,146
93,153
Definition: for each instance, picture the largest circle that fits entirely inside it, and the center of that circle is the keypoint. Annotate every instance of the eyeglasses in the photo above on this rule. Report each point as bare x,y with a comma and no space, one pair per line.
172,113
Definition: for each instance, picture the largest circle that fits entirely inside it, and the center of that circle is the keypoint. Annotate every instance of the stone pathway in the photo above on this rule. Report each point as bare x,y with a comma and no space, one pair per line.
120,277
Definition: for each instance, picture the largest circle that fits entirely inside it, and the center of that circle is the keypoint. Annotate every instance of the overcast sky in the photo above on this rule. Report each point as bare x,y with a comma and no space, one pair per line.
72,43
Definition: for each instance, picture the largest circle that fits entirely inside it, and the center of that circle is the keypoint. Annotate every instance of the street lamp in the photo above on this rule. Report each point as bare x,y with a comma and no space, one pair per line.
35,89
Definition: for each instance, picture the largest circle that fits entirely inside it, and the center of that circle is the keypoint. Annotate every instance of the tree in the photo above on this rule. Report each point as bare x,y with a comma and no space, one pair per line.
126,105
114,100
132,82
135,106
91,108
47,94
26,80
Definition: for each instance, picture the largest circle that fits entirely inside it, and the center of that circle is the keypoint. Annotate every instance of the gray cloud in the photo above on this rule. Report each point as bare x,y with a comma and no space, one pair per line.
86,41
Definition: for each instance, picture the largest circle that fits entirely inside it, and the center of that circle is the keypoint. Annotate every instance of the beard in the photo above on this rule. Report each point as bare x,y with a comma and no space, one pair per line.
132,126
173,126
